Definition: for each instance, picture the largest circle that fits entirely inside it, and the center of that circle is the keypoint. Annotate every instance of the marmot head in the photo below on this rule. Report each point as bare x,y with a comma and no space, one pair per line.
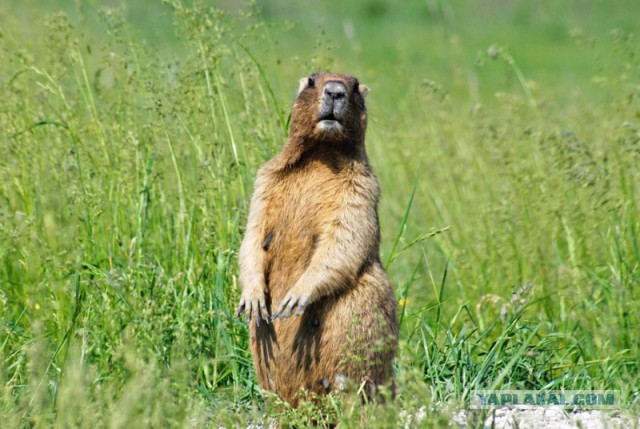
329,108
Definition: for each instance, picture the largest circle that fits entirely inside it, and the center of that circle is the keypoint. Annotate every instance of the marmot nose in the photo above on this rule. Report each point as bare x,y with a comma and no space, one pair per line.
335,90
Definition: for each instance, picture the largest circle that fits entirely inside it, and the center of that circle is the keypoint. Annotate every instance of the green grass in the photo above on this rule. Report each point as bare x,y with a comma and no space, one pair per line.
506,140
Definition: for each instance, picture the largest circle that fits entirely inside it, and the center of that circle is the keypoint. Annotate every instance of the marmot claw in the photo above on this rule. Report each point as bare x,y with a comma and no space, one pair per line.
255,308
291,301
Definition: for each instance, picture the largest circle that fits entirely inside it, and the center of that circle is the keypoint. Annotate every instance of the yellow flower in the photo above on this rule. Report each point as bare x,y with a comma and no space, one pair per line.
403,302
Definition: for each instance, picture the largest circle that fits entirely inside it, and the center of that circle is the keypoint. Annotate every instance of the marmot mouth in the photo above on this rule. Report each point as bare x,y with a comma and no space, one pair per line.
328,117
329,123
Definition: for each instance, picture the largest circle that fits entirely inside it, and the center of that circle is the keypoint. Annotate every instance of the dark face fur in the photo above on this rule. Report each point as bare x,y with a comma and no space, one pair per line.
330,108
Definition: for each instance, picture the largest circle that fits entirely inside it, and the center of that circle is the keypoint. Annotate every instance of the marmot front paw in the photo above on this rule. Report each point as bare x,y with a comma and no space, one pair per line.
254,305
295,298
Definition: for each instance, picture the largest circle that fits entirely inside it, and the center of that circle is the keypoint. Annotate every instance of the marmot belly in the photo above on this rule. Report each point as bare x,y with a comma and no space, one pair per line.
339,341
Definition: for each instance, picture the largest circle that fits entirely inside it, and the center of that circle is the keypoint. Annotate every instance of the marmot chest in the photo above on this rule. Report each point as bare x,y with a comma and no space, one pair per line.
300,205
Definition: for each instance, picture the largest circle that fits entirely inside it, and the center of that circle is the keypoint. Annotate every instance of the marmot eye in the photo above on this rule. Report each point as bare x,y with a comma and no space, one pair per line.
311,81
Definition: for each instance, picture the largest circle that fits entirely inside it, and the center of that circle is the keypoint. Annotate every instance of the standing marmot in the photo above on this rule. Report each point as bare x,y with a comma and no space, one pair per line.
311,277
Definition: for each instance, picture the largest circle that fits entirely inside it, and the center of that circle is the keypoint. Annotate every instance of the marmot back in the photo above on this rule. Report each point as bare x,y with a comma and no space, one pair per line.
310,272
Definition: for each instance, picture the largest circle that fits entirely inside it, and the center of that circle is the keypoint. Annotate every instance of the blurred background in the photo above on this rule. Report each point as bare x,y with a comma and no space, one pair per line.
446,41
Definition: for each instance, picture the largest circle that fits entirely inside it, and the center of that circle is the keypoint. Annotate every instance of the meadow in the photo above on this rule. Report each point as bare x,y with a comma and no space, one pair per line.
505,135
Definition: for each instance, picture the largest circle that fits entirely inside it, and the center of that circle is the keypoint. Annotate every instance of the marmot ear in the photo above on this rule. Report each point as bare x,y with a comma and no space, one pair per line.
302,84
363,90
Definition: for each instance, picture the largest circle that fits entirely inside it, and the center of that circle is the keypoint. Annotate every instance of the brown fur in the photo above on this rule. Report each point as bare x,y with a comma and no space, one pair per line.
310,257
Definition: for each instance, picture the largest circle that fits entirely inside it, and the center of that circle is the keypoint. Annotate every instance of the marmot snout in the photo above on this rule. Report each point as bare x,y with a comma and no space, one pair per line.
333,106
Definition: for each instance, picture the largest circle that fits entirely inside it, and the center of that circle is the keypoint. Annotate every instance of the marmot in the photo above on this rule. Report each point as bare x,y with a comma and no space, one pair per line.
324,309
